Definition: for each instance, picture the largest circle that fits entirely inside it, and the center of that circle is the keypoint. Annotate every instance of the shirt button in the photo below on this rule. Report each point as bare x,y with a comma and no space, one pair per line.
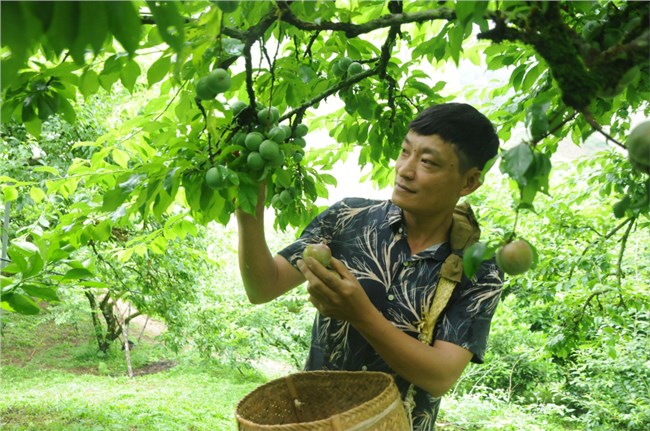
364,368
391,297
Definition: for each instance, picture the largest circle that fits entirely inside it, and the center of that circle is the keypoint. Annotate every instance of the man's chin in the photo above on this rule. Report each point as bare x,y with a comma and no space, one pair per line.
399,200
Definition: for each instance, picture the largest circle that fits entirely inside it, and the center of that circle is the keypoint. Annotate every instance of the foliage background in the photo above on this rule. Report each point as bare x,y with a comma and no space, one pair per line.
105,145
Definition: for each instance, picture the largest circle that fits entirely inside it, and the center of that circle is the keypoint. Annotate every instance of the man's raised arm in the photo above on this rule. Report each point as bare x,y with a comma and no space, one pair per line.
265,276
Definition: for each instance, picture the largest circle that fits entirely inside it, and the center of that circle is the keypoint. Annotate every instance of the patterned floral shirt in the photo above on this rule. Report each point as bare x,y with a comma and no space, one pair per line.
369,237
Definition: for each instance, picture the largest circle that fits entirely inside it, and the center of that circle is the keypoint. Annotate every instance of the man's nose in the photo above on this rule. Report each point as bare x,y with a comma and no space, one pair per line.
406,168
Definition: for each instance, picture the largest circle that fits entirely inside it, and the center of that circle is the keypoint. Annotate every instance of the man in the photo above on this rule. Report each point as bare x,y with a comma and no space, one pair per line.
388,256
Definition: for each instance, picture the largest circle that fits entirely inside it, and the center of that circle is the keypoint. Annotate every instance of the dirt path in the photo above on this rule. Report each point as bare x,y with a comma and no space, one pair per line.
142,326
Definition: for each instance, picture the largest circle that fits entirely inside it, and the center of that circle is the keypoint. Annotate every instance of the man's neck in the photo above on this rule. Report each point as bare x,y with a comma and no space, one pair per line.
423,232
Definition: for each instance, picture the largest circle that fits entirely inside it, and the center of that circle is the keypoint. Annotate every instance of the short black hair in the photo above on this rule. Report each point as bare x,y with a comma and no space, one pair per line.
470,132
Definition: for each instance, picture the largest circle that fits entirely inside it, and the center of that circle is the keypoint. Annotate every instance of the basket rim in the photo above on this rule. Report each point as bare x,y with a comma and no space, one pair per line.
391,386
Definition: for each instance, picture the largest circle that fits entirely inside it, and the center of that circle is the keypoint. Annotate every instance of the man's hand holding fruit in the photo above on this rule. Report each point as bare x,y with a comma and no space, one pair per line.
333,289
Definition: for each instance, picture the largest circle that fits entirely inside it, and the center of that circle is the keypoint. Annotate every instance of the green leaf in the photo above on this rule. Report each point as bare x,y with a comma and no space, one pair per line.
129,74
125,24
21,303
456,36
621,206
48,105
112,199
88,83
19,28
539,124
92,29
62,30
40,291
26,248
169,23
94,15
158,245
516,162
65,109
528,191
424,48
77,273
233,46
473,257
306,74
34,127
159,69
465,10
9,193
37,194
102,231
48,169
122,159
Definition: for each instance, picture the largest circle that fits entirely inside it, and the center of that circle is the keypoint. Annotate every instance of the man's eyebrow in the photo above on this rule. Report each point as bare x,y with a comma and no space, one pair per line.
425,150
431,151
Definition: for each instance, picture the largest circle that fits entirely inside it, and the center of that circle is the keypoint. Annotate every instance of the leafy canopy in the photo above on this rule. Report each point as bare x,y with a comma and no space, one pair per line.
573,68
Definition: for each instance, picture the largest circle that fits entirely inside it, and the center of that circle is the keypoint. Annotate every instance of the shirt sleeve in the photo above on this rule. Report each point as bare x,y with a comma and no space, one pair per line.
466,321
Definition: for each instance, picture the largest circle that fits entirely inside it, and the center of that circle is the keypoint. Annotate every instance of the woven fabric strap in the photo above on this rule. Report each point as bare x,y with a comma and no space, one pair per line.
465,231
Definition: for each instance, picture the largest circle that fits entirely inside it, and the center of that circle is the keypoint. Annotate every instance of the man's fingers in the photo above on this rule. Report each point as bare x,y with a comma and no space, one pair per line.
340,268
315,285
329,275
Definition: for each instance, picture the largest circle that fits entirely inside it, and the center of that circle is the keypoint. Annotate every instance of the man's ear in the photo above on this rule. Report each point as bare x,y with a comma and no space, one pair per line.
472,181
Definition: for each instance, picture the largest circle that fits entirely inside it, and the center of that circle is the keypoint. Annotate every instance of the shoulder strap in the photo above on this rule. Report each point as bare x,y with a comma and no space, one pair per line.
465,231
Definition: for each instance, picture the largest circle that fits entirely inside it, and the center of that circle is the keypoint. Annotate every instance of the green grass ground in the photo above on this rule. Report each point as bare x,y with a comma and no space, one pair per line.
178,399
53,380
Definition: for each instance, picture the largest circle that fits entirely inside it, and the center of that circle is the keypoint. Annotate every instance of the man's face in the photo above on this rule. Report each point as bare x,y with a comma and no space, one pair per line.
428,181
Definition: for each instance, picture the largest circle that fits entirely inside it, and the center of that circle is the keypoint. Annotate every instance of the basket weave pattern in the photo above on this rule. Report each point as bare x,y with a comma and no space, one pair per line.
325,401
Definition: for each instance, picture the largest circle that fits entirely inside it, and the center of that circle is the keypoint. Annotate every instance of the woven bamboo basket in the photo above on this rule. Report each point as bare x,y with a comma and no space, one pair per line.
325,401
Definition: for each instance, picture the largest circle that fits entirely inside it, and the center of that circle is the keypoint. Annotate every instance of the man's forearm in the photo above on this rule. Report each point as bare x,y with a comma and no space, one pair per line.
433,368
256,263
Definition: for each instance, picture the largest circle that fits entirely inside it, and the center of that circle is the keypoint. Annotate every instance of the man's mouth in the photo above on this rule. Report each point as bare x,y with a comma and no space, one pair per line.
403,188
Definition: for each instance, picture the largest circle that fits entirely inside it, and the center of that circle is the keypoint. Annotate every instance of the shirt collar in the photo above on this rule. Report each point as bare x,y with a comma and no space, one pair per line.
395,218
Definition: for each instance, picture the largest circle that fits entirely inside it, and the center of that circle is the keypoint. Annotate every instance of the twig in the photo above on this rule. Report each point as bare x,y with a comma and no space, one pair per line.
593,123
619,270
127,347
143,328
554,129
602,238
593,295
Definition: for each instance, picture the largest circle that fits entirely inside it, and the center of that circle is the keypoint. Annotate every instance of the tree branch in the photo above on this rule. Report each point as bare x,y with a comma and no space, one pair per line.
593,123
354,30
341,85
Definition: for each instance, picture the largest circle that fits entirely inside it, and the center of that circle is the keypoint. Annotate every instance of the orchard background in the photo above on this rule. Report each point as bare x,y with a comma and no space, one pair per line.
109,127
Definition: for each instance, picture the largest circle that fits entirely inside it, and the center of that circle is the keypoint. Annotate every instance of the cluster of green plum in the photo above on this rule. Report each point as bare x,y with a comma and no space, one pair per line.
261,148
215,82
345,66
265,144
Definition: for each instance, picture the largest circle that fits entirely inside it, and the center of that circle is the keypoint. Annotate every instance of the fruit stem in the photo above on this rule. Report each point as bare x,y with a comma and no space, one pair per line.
514,225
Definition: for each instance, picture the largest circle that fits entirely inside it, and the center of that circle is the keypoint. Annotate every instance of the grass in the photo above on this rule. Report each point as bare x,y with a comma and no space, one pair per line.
52,379
179,399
